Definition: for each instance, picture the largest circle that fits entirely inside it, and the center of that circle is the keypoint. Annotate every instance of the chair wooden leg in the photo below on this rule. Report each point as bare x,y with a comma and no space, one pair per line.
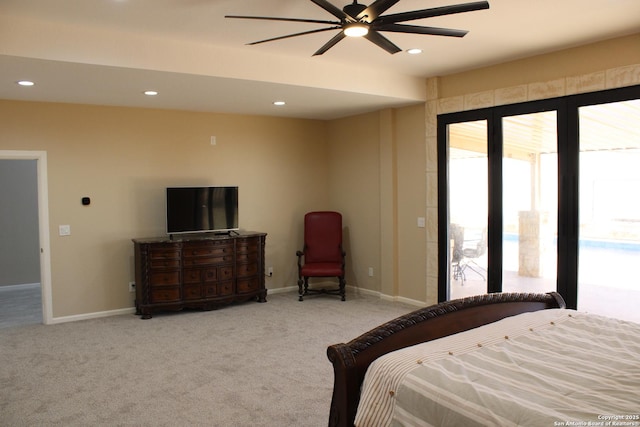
300,292
303,288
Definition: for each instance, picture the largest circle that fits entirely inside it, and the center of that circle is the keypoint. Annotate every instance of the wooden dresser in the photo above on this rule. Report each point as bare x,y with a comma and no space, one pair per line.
198,272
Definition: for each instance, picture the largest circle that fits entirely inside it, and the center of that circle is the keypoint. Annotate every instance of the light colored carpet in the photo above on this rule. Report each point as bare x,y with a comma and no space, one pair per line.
248,364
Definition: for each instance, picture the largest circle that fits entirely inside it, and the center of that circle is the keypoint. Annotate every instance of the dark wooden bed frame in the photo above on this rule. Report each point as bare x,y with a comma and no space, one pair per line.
351,360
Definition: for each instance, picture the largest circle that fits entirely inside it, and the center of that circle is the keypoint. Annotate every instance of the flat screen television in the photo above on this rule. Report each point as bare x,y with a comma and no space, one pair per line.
202,209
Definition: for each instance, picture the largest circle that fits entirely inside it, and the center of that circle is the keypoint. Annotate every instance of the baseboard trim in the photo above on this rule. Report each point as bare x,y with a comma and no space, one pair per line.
403,300
282,290
356,290
131,310
20,286
87,316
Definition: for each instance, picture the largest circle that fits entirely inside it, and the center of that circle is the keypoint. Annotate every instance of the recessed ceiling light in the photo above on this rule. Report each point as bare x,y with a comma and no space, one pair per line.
414,51
279,103
26,83
150,92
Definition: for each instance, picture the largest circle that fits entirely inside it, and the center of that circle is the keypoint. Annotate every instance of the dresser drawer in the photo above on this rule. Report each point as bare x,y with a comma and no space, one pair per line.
225,273
210,274
225,288
192,276
209,290
164,263
207,251
190,292
245,270
247,245
248,285
188,262
165,295
164,278
164,253
247,257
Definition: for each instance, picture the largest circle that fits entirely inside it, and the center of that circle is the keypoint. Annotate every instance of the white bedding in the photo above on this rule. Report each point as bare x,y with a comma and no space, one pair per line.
551,367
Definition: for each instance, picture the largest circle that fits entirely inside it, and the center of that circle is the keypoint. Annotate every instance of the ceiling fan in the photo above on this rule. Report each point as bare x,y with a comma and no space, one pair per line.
358,20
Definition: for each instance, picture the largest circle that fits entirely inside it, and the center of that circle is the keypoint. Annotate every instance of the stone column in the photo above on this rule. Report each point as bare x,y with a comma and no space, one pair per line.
531,243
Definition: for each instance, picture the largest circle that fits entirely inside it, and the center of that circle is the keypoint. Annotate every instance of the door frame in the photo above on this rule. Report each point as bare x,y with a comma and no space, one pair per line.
43,222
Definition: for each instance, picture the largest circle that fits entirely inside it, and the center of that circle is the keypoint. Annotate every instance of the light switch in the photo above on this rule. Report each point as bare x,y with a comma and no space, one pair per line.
421,223
64,230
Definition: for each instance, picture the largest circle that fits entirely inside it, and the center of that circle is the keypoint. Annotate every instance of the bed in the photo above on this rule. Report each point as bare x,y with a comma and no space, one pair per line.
495,359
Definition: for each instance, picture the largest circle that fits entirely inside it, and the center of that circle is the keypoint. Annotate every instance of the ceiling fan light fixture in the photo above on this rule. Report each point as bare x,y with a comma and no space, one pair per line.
357,29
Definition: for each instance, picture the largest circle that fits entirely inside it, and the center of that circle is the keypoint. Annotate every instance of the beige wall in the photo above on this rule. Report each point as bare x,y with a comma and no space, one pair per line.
354,190
411,204
124,158
377,181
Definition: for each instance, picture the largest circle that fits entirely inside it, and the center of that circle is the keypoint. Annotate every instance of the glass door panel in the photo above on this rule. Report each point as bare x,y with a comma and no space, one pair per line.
468,208
609,209
530,202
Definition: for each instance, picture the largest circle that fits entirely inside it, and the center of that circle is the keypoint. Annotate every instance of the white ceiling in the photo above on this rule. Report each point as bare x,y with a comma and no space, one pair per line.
108,52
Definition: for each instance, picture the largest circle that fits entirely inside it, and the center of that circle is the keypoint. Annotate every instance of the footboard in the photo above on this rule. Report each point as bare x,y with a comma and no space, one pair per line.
351,360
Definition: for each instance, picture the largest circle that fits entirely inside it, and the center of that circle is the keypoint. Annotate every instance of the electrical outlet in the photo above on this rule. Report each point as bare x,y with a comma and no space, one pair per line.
270,272
132,286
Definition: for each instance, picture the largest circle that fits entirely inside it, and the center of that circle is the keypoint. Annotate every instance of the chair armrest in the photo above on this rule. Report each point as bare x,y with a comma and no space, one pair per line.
299,254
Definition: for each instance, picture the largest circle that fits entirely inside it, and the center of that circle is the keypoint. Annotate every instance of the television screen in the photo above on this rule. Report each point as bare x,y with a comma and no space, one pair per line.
202,209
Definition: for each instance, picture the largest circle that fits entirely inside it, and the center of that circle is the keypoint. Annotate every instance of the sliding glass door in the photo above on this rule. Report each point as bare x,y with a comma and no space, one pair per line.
541,196
529,202
609,209
468,196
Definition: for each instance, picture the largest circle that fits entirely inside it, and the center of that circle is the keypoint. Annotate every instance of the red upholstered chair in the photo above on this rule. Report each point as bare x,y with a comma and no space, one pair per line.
322,252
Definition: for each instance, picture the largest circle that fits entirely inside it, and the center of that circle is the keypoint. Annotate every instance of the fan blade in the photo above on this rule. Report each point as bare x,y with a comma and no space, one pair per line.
331,43
429,13
275,18
382,41
338,13
414,29
294,35
376,9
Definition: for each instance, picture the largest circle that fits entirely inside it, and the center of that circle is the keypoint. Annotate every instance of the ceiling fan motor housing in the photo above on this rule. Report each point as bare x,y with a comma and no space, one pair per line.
354,10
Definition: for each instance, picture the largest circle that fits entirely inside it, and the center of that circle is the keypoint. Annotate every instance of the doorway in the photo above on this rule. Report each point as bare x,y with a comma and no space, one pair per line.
43,244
